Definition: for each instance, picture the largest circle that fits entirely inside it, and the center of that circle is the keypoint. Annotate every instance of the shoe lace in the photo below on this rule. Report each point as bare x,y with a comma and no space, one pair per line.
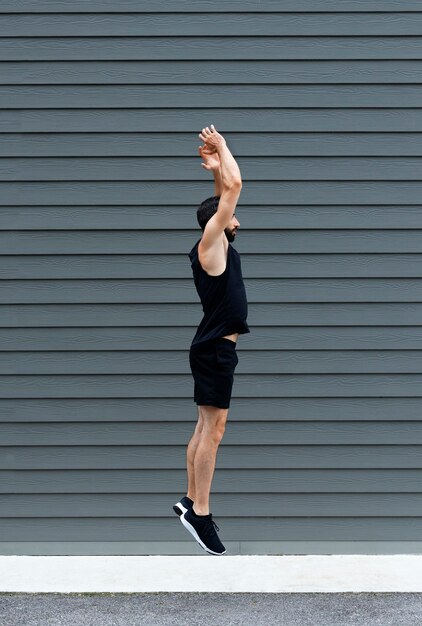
211,528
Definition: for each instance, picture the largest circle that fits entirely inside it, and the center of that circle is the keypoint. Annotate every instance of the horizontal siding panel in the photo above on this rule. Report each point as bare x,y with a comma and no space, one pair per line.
37,548
181,385
163,244
253,266
178,409
234,457
232,481
307,192
175,290
227,24
234,47
76,505
114,144
167,433
205,6
402,344
236,529
256,217
211,72
188,315
185,120
159,168
259,361
235,96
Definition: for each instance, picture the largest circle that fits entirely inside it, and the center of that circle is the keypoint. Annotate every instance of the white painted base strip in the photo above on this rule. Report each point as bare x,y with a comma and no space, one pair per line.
238,573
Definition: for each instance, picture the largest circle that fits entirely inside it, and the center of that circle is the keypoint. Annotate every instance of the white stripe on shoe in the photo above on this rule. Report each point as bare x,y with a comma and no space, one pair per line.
179,509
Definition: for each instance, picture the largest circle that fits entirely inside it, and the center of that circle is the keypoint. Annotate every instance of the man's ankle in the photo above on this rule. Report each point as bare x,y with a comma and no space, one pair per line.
200,511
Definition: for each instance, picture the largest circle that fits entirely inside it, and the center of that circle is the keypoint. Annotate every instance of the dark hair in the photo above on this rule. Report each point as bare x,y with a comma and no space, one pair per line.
206,210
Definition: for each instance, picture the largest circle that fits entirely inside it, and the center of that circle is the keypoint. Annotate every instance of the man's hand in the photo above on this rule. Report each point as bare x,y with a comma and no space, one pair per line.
211,158
228,172
212,138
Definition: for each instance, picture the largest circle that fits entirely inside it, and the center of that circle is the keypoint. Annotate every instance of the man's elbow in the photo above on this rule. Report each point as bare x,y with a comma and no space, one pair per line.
236,183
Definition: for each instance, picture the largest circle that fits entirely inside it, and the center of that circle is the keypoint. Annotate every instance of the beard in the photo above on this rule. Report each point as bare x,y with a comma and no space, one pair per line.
230,234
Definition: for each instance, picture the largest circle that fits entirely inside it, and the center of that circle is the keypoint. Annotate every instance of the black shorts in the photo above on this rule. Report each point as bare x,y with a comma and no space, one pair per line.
212,363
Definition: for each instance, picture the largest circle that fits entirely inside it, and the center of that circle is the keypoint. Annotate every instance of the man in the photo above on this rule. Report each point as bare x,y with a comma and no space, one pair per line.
218,279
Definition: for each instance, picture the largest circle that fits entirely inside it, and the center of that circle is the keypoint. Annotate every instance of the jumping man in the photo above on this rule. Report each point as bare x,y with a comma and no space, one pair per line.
213,358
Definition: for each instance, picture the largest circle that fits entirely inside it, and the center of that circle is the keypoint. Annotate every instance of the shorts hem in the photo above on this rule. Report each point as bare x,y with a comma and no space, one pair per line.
214,403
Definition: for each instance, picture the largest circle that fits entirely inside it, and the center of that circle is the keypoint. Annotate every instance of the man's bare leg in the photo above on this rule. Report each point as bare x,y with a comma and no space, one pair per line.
213,427
190,455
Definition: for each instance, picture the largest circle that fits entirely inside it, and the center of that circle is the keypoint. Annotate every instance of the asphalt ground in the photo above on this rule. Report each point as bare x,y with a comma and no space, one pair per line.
215,609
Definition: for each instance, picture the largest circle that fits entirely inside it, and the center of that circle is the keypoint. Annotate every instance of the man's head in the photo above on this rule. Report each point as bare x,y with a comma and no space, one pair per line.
207,209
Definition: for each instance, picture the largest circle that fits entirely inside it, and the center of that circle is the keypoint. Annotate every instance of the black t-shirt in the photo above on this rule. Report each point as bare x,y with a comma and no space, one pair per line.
223,298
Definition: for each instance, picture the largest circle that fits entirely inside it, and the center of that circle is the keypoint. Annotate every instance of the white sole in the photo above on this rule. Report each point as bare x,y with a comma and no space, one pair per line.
180,506
193,532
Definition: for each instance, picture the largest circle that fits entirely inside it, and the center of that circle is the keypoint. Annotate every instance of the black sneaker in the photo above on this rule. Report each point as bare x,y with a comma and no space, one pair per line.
203,528
183,505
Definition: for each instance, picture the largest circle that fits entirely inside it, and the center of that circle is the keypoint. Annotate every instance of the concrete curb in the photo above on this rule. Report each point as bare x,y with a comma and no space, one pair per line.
208,573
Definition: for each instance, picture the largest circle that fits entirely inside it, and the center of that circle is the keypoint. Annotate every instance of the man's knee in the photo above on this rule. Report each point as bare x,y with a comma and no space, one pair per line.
214,421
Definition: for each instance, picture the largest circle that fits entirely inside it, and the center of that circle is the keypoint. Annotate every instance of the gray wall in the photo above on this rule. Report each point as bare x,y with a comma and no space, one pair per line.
100,180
